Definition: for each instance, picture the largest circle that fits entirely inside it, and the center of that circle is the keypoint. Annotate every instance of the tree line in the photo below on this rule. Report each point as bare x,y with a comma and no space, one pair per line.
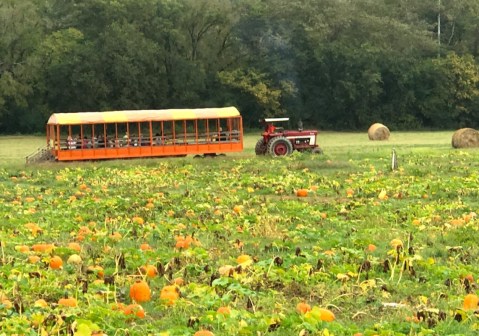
334,64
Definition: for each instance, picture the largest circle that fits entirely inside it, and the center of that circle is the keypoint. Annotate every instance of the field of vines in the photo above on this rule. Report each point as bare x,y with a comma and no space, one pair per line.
243,245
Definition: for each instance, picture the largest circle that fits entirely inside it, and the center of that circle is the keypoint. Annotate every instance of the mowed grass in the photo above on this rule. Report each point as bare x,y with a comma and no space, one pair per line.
339,146
14,149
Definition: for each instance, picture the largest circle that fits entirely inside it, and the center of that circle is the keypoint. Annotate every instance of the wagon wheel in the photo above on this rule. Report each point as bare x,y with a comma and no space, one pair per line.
280,146
260,148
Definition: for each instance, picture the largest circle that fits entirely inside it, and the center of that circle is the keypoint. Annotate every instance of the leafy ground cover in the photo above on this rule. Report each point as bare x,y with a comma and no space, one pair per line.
226,245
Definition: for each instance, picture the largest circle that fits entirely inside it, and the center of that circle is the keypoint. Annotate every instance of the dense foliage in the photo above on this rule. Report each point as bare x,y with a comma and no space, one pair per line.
336,64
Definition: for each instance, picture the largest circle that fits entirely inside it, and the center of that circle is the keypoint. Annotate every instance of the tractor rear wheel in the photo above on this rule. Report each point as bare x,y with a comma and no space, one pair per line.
280,146
260,148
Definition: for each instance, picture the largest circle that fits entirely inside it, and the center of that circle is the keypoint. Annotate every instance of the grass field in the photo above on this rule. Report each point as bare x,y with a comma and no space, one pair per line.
333,244
343,146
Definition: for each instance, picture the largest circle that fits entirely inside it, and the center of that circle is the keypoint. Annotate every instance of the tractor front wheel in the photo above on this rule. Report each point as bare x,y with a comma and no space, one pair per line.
280,146
260,148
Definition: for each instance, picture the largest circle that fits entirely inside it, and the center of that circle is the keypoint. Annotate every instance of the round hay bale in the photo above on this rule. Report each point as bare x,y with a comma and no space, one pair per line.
378,131
465,137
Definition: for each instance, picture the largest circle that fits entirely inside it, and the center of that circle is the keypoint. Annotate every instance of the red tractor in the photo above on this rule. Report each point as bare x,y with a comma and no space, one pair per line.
278,142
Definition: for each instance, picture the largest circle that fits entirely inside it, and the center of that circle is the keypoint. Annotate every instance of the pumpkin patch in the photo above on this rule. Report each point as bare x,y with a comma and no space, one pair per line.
236,246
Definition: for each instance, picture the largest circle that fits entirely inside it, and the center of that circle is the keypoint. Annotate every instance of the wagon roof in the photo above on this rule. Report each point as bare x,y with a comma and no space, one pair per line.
76,118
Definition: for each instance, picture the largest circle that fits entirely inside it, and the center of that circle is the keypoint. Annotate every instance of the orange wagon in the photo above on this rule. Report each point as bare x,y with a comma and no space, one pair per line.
144,133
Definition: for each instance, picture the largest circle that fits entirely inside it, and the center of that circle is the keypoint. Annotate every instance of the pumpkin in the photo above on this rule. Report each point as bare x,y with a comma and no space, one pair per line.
224,310
96,269
74,259
302,192
179,281
150,270
134,309
140,291
145,247
244,260
226,270
68,302
22,248
74,246
303,308
33,259
396,243
203,333
56,262
40,303
138,220
44,248
326,315
471,302
169,294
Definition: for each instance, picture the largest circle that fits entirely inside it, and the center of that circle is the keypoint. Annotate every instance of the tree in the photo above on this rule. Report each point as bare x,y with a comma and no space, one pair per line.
19,34
448,91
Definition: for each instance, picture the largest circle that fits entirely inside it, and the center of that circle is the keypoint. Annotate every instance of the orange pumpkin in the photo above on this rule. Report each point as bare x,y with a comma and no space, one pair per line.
44,248
140,291
74,246
302,192
68,302
134,309
471,302
303,308
22,248
179,281
203,333
169,294
56,262
224,310
145,247
326,315
33,259
96,269
138,220
150,270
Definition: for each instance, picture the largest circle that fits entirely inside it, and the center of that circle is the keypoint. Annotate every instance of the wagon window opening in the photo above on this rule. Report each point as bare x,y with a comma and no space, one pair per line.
168,132
224,130
98,136
202,131
157,133
144,134
190,132
234,128
179,131
73,139
131,135
122,131
111,136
